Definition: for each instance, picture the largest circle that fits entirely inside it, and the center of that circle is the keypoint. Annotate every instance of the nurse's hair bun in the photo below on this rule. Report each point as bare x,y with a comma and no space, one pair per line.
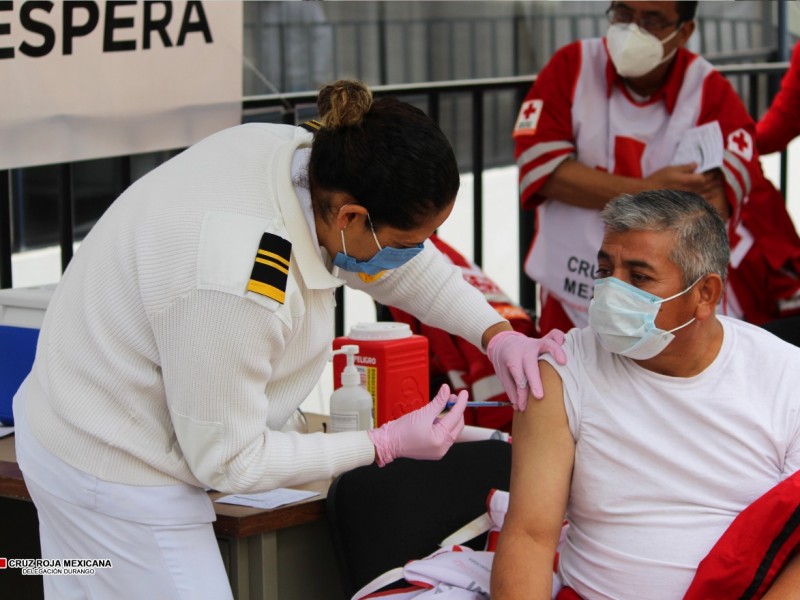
344,103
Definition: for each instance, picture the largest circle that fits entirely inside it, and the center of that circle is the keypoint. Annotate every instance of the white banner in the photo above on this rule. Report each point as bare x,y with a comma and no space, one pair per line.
83,79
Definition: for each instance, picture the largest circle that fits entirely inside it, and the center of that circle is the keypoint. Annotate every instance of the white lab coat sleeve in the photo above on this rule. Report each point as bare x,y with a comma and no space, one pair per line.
216,354
434,291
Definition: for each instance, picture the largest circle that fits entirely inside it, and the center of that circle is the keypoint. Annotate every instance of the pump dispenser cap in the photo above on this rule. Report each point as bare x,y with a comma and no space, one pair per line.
350,375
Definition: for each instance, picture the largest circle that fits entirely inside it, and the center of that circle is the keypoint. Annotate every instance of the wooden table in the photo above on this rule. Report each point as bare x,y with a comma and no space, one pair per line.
279,554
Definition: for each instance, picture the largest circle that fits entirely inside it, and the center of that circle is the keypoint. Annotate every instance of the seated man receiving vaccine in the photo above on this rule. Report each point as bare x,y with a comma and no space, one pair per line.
669,432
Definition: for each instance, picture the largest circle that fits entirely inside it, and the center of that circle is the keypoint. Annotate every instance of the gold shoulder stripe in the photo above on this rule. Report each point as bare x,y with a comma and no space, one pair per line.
313,125
275,257
271,267
272,264
267,290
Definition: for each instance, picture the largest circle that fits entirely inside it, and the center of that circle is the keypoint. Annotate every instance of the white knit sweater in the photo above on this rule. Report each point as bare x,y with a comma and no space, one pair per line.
156,366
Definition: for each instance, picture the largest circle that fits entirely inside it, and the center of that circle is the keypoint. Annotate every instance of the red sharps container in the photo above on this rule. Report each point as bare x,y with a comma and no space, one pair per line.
393,364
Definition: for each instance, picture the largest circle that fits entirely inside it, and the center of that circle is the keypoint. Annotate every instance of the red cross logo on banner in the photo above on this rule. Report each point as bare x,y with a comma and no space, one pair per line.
528,117
740,142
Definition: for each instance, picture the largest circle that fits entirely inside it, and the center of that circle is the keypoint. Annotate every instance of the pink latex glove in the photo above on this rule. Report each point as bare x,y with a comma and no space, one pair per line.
515,357
421,434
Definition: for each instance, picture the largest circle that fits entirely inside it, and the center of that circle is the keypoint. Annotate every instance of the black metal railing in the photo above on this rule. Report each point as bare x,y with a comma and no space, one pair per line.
298,46
447,102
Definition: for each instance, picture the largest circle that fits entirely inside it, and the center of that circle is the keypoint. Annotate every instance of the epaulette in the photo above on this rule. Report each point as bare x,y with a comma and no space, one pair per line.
313,126
271,267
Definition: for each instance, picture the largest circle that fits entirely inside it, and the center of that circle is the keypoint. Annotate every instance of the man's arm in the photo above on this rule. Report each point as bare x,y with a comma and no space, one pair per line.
787,584
741,168
574,183
541,471
781,123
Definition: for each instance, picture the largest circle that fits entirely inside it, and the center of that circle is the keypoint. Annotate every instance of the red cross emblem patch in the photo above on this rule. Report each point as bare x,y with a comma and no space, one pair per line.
740,142
528,117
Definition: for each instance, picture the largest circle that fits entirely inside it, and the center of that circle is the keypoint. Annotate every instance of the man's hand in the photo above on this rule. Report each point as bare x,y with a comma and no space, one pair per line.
714,193
678,177
709,185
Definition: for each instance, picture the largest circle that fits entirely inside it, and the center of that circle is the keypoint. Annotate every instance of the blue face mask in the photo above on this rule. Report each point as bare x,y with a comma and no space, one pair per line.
624,319
385,259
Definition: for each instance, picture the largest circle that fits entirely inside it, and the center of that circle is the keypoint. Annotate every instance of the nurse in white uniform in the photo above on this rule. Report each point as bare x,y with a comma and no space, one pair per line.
198,314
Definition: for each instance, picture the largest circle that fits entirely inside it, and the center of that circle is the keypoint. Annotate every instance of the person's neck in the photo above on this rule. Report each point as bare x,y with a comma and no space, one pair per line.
689,354
651,82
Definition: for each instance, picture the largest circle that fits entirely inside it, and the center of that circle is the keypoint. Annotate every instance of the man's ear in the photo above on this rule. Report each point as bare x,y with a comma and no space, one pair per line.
710,290
349,210
687,29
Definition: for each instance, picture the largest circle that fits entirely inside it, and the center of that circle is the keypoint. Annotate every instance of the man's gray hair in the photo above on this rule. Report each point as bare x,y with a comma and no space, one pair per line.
701,242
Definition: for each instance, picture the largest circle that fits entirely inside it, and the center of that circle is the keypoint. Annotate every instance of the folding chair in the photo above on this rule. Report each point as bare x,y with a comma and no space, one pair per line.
787,328
380,518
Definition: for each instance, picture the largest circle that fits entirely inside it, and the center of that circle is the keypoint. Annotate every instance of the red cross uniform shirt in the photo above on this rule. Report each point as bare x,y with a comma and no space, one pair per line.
463,365
579,108
781,123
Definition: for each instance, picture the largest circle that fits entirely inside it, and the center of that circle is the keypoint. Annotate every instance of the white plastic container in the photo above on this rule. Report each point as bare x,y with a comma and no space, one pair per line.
351,404
473,433
25,307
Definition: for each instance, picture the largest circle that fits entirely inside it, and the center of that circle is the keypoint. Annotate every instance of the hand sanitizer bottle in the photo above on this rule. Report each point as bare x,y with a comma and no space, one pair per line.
351,404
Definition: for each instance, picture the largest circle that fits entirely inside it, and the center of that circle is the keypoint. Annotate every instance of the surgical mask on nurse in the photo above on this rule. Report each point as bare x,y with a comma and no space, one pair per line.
385,259
634,51
623,317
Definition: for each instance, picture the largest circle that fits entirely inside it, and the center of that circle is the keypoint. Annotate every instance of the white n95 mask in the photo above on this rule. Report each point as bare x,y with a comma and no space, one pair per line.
634,51
623,318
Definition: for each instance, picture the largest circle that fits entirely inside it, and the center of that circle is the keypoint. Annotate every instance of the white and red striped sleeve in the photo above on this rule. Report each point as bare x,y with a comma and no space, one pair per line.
741,166
543,133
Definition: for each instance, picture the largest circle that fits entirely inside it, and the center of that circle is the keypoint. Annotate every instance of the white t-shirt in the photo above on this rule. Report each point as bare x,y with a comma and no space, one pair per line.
664,464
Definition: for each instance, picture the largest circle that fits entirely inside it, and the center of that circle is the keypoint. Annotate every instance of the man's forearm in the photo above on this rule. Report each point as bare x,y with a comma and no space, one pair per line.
522,568
574,183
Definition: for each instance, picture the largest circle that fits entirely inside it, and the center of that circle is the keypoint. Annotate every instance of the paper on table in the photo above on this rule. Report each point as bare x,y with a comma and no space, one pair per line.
272,499
4,431
702,145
